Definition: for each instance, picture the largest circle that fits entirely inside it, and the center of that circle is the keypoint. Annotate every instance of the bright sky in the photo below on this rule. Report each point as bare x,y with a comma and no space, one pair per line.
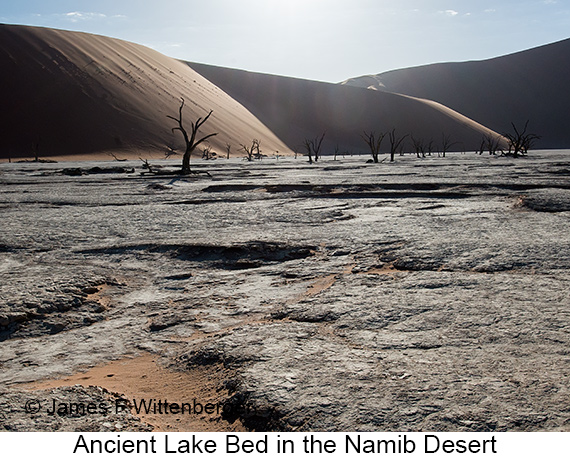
327,40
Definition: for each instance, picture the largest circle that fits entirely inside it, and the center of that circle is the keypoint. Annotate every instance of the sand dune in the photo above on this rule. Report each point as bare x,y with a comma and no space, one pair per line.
531,85
79,94
296,109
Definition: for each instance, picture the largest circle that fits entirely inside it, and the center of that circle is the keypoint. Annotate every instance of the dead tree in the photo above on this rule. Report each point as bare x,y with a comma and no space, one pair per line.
446,144
252,152
228,149
374,142
520,141
481,149
317,144
313,147
207,153
36,149
419,146
308,146
170,151
429,146
395,142
191,142
492,144
116,158
146,164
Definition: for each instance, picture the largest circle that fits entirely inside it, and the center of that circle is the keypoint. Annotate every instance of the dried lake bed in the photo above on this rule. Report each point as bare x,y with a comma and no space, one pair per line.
423,295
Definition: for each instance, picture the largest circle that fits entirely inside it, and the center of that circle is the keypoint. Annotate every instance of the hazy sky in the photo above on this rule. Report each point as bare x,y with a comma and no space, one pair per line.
327,40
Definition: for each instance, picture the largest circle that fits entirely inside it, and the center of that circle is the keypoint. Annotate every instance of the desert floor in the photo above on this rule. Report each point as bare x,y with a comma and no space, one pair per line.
427,294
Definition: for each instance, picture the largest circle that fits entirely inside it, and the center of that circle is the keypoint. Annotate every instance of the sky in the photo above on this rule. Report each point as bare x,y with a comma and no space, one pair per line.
325,40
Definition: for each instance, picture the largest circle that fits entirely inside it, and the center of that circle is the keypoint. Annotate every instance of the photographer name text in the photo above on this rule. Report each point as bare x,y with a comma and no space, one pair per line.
137,406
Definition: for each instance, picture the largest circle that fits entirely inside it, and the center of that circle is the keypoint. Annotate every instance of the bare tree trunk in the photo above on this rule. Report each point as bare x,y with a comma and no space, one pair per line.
419,146
520,142
251,151
191,142
309,147
446,143
373,143
186,162
394,142
314,147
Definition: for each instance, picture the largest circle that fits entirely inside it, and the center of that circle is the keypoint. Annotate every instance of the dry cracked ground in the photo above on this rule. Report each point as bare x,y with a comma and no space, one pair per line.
427,294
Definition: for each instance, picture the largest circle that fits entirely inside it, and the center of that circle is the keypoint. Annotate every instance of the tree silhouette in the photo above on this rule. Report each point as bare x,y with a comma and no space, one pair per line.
252,152
446,143
492,143
395,142
314,147
191,142
207,153
374,142
419,146
520,141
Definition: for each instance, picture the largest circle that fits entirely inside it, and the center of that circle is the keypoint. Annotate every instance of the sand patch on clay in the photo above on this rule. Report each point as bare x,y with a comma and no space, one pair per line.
321,284
142,378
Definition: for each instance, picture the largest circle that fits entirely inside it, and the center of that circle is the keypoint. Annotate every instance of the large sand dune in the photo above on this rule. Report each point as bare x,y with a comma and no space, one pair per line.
73,93
70,93
531,85
296,109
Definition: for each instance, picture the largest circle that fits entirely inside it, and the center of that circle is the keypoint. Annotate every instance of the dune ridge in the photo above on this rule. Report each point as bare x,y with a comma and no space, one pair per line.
529,85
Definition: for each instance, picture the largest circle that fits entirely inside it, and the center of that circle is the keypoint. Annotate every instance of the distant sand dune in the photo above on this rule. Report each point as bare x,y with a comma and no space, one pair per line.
530,85
296,109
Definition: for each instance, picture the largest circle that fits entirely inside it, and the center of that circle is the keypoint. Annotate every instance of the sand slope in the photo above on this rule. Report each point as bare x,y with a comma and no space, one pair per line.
296,109
78,94
530,85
